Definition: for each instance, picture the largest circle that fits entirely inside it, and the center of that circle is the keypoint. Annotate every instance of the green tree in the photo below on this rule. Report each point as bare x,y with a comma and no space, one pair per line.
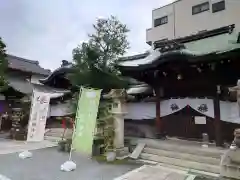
3,65
95,60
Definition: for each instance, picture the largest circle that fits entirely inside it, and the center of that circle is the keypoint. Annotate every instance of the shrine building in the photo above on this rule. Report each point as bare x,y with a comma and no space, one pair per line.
190,78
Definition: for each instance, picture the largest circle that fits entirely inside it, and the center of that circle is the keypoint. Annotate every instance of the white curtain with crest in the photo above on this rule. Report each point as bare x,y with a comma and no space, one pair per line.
147,110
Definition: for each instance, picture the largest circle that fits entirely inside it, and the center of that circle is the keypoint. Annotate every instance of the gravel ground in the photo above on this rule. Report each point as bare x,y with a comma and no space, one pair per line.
45,165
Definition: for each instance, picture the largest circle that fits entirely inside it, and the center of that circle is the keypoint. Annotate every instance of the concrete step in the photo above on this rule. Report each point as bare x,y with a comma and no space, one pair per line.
58,131
207,152
58,134
231,171
194,149
52,139
146,162
210,175
184,156
181,163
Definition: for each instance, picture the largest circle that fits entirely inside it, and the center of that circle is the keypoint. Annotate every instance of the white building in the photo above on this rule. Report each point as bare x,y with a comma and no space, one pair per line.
186,17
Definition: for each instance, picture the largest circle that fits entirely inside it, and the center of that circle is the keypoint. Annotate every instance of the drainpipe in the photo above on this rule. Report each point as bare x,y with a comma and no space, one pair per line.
174,20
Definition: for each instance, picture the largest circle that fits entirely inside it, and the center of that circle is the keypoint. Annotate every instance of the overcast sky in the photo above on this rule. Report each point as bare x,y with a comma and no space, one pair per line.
48,30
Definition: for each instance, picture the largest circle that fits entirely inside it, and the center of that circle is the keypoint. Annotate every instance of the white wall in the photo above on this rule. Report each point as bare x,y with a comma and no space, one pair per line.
187,24
163,31
63,109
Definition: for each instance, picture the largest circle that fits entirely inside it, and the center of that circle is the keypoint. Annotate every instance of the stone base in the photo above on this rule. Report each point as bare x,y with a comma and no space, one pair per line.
161,136
121,152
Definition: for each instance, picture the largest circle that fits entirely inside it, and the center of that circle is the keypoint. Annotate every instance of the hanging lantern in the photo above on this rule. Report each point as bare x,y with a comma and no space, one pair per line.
179,77
156,73
213,67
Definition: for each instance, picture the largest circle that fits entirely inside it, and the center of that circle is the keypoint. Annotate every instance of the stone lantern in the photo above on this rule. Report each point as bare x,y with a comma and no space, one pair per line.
237,90
230,161
237,131
118,97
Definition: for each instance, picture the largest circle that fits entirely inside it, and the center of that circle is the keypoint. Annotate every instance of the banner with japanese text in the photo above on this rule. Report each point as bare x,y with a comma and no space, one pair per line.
86,116
38,116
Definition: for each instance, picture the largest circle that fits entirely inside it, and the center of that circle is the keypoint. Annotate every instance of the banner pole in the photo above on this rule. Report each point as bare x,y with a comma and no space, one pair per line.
70,153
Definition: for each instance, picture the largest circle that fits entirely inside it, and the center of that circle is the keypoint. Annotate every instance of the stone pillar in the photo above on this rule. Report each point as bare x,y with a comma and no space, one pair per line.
119,133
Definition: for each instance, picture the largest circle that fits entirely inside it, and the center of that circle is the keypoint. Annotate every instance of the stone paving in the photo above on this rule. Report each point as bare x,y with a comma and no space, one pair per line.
45,165
11,146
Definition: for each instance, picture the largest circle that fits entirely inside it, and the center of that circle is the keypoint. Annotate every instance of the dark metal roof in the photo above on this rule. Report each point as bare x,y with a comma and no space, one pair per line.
140,89
192,49
134,57
62,71
26,87
26,65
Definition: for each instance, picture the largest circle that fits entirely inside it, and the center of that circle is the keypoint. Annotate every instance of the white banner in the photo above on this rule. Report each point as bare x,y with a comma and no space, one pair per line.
38,116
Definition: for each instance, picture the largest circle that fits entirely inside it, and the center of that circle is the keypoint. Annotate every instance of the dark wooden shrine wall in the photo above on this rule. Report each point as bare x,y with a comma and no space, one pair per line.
181,125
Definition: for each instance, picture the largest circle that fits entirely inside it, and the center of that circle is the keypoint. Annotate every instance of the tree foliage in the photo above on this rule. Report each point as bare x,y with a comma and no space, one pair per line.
3,65
95,60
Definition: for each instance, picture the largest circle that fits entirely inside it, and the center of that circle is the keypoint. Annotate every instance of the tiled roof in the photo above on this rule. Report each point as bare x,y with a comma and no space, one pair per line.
26,65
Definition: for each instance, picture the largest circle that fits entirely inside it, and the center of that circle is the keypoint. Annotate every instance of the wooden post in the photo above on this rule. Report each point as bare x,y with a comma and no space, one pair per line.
217,121
158,111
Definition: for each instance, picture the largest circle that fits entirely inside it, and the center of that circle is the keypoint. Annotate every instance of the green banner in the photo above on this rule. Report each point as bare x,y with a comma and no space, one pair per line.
86,116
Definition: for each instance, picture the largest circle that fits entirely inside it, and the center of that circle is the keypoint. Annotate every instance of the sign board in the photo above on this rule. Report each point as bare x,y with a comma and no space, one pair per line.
38,116
86,116
200,120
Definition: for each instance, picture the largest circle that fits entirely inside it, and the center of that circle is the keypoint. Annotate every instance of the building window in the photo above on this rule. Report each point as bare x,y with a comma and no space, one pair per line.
115,105
200,8
219,6
160,21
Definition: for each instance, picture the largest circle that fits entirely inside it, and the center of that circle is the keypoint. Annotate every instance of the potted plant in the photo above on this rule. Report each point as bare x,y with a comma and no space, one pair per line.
68,145
104,135
109,133
108,130
61,145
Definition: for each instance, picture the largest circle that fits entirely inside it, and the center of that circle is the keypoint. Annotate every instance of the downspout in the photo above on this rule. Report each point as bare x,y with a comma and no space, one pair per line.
174,21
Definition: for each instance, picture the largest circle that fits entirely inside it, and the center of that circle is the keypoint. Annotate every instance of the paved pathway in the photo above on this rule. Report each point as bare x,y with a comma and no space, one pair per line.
45,165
